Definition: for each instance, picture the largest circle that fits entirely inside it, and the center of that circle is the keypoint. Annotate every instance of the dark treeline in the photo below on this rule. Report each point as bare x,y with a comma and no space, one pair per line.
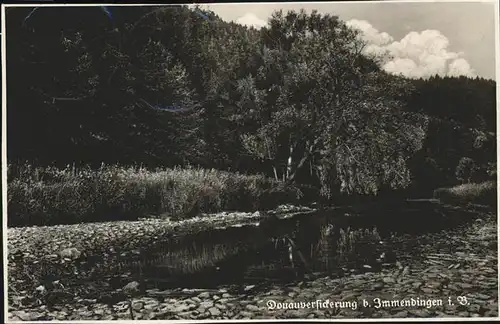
298,101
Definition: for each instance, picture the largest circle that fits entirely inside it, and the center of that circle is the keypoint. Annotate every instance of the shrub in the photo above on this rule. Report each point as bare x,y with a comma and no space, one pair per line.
466,170
484,193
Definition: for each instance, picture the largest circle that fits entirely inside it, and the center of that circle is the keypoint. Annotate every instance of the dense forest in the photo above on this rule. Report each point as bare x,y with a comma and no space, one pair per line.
298,101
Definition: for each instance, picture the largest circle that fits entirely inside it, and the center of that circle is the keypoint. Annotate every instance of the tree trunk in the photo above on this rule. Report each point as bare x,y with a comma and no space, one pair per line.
275,173
304,159
289,163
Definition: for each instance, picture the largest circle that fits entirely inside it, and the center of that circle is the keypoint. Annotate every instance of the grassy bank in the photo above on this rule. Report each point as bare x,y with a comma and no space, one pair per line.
49,196
484,193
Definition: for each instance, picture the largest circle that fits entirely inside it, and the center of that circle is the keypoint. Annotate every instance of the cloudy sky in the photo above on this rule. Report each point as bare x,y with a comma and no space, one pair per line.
423,39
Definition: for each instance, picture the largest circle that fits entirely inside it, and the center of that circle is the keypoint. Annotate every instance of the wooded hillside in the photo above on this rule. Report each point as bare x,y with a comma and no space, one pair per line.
298,101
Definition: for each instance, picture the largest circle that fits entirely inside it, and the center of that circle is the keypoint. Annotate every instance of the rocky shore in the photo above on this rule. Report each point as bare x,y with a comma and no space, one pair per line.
454,274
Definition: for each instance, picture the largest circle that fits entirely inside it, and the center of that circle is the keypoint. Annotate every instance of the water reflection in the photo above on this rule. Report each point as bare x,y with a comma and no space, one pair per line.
286,251
249,255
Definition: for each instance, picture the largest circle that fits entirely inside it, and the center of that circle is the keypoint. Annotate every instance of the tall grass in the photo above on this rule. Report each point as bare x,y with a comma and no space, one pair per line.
48,195
484,193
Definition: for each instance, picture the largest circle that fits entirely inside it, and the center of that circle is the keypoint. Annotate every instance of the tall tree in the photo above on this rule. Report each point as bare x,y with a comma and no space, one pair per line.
317,99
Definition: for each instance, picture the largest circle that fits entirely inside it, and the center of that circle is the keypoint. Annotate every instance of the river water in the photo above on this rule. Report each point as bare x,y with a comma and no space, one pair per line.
335,242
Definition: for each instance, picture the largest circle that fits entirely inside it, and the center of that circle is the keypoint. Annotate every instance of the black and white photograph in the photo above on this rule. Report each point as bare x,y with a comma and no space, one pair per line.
250,161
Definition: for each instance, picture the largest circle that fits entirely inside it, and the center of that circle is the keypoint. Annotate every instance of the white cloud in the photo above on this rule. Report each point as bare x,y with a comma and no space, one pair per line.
418,54
371,34
250,19
401,65
460,67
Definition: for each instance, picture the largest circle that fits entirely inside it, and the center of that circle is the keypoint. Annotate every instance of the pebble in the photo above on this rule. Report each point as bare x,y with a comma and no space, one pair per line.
464,285
246,314
482,296
250,287
214,311
252,308
137,306
221,306
389,280
99,311
183,307
207,304
433,284
401,314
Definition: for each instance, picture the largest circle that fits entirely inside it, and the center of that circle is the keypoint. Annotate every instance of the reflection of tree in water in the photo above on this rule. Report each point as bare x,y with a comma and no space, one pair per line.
336,247
358,246
327,247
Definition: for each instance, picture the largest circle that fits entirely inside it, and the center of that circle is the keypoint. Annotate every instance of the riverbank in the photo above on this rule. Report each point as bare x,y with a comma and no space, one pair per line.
461,262
41,196
72,254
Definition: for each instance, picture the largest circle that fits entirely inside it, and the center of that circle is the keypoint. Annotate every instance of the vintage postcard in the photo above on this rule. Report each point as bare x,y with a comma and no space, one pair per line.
250,161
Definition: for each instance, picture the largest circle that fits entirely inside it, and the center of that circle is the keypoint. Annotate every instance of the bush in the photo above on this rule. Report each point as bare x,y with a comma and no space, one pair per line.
49,196
484,193
466,170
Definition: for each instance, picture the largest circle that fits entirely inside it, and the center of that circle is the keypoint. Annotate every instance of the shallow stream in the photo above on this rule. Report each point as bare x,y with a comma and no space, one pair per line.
332,242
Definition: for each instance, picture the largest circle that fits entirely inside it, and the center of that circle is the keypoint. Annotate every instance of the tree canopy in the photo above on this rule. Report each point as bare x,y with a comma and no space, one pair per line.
297,100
